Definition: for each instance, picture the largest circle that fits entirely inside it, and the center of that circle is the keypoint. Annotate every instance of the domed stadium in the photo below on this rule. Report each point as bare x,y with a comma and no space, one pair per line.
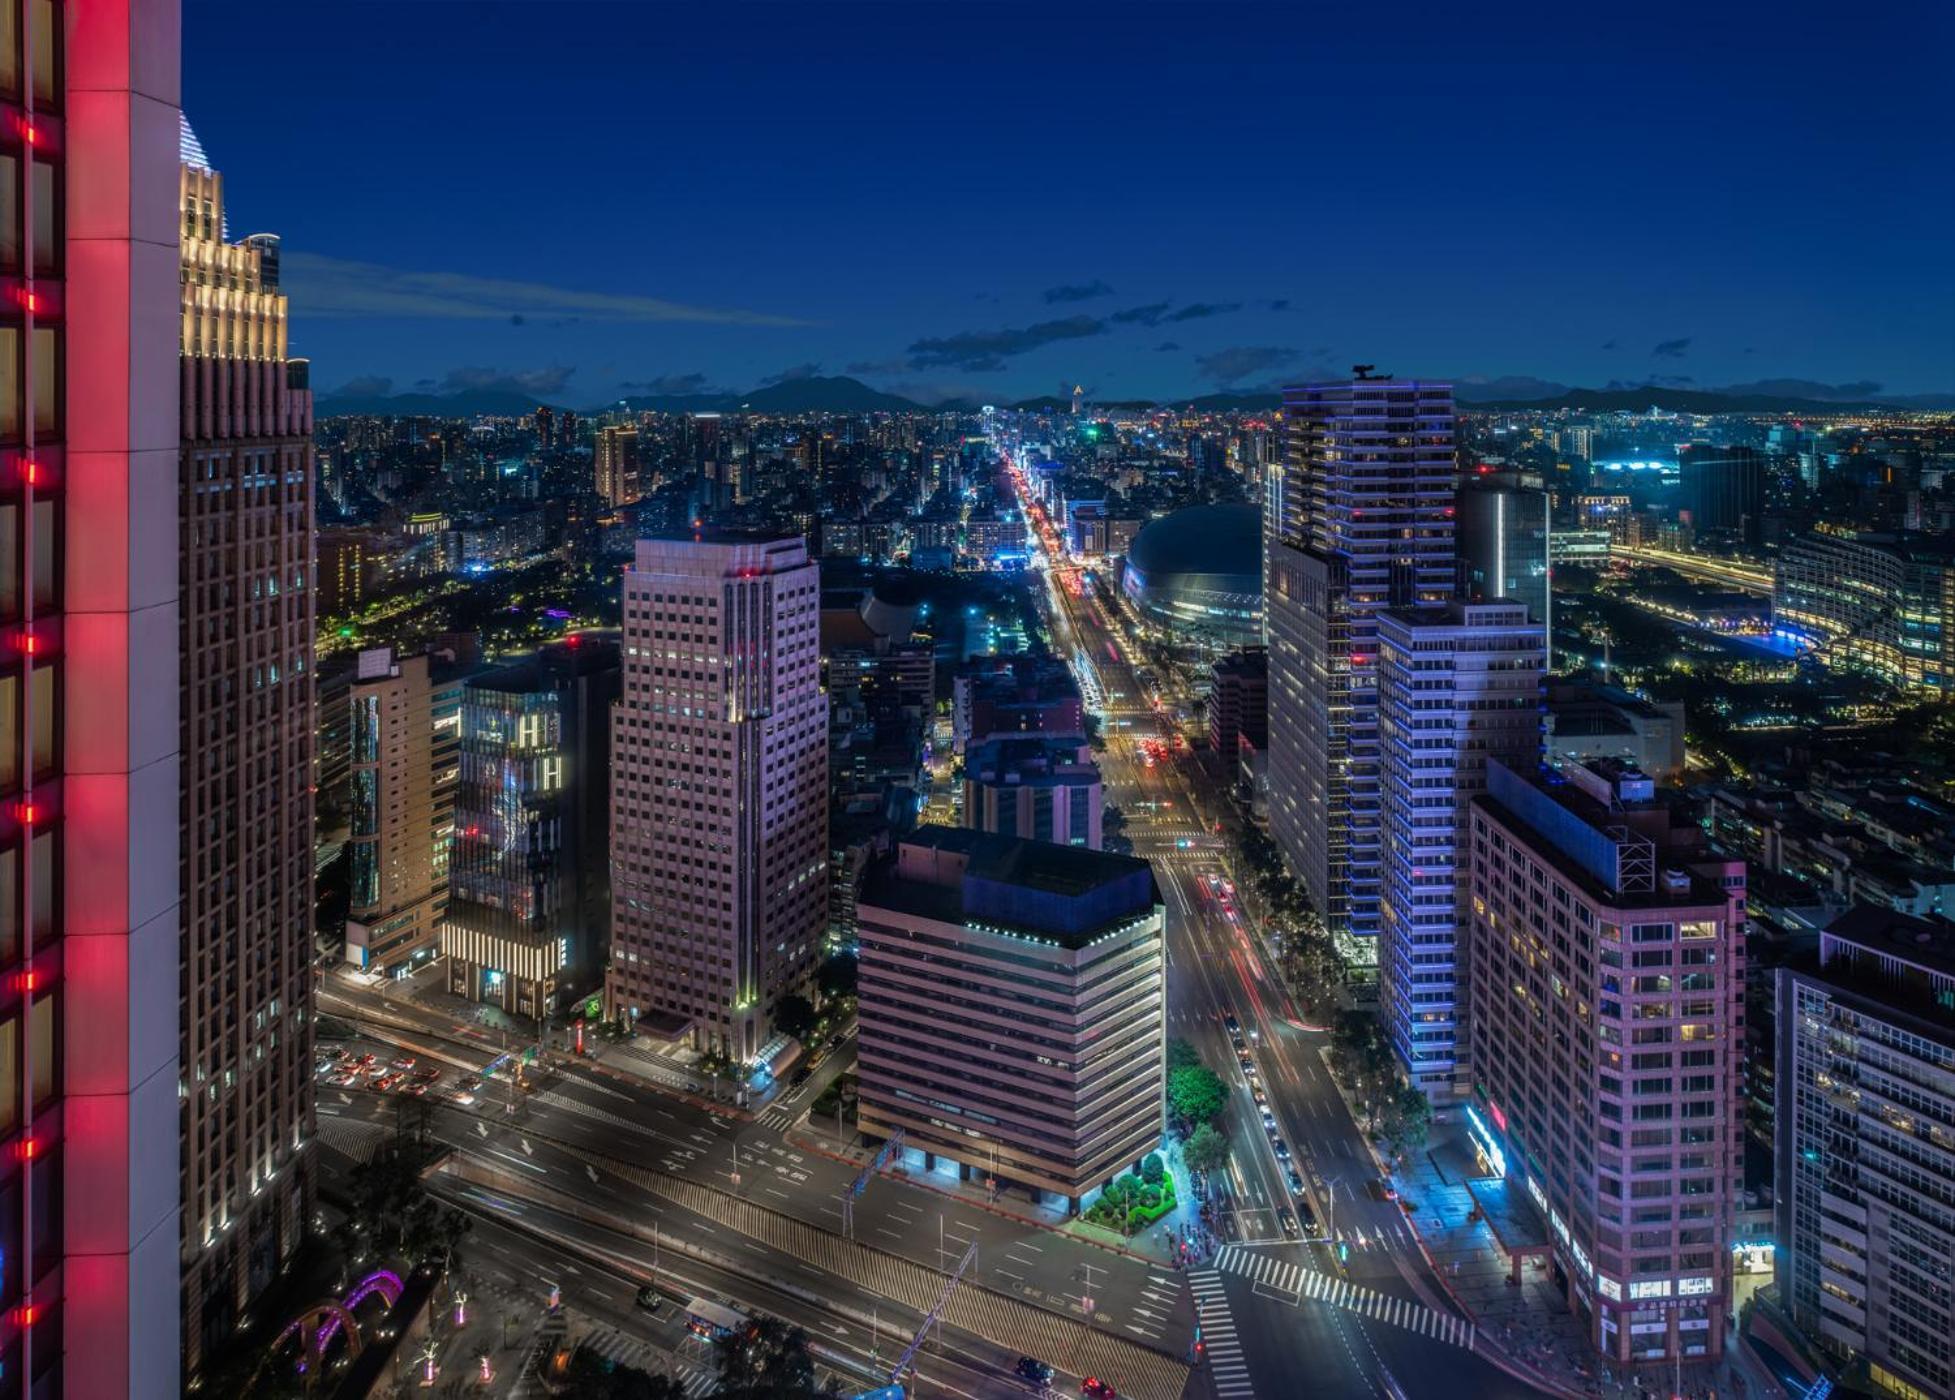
1201,570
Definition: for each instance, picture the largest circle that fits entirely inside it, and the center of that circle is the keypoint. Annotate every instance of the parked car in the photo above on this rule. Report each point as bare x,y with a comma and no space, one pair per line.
1282,1148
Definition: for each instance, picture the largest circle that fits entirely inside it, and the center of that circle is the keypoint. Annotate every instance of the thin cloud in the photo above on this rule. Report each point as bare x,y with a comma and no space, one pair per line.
1201,310
792,373
1671,349
672,385
1168,345
549,380
1148,315
1232,366
323,286
360,386
1611,345
986,352
1081,291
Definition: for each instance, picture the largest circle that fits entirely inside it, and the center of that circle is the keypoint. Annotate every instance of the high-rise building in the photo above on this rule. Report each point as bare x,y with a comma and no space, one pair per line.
1865,1149
1238,702
1013,1008
405,732
528,890
245,618
1457,685
1503,541
1608,974
1723,488
89,769
708,455
617,470
719,805
1032,786
1362,517
545,426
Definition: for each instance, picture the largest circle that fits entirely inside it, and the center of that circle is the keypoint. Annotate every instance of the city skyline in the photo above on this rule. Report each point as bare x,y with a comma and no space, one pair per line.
1080,192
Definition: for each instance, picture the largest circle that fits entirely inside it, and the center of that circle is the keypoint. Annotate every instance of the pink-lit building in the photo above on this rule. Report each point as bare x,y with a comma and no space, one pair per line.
1608,1034
719,797
89,824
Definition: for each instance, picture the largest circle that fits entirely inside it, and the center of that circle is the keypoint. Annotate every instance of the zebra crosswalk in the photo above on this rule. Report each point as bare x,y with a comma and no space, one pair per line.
1264,1268
613,1345
779,1118
1227,1367
352,1137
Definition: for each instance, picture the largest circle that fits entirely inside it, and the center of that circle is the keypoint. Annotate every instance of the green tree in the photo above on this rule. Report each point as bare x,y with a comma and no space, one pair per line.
1181,1054
835,978
1196,1095
795,1016
1207,1149
767,1360
589,1374
1153,1169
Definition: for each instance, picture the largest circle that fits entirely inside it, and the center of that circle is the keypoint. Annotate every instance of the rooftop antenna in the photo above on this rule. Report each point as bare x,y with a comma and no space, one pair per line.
1366,372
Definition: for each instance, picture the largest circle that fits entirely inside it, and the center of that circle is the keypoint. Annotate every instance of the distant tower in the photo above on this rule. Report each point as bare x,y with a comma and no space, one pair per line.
1079,393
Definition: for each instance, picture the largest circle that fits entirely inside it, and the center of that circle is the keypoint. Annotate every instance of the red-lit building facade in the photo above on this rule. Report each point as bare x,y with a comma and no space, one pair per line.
88,714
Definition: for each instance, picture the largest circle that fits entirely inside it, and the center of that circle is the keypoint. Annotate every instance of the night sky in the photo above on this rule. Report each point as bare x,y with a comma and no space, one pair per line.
584,199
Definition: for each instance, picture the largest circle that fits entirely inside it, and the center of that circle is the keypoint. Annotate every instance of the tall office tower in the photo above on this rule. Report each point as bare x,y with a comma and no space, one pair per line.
1457,685
707,453
1503,541
1013,1008
529,905
566,429
545,426
406,761
246,714
1608,983
719,799
1865,1148
1723,488
1364,521
89,433
617,470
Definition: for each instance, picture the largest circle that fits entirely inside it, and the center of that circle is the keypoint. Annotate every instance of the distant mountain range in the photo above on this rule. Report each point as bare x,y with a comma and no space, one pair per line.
841,394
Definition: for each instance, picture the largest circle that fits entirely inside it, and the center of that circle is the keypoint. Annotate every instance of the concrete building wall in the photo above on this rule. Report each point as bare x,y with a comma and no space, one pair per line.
1606,1051
719,814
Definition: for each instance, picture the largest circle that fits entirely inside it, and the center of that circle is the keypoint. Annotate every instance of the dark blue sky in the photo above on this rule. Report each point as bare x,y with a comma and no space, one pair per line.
1149,199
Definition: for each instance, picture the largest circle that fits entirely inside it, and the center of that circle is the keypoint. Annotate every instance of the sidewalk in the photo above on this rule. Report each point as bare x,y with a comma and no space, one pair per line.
818,1135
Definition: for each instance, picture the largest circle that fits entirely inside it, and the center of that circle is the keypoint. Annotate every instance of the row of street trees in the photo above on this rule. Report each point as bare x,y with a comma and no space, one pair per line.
1397,1115
1197,1101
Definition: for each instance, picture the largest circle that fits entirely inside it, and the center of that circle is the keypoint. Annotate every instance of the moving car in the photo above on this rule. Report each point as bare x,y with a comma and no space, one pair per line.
1282,1148
1295,1183
1093,1388
1235,1026
1033,1371
649,1299
1289,1222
